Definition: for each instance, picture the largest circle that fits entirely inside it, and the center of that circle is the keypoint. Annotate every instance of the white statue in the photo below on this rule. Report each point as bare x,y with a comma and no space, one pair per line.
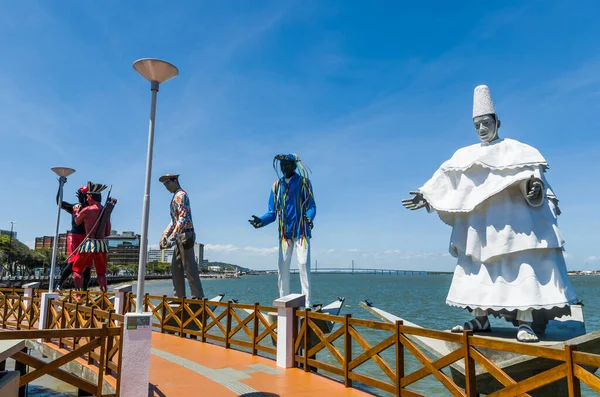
505,236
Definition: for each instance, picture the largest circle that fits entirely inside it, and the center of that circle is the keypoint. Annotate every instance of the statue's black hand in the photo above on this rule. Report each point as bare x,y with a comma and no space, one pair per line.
255,221
415,202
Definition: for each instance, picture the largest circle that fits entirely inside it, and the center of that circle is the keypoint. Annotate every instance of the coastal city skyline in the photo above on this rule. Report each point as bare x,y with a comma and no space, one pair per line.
371,100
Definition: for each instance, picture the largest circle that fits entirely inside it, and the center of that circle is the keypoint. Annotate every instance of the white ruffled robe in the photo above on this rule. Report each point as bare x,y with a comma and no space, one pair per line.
509,250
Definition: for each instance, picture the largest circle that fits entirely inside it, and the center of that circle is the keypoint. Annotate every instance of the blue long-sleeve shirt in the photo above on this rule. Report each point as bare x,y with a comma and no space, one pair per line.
291,202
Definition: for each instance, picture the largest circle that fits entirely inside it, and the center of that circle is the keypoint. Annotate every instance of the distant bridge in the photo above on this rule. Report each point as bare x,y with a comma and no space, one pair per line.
358,270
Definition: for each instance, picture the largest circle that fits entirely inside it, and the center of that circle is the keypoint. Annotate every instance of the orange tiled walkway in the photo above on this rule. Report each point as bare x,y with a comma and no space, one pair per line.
184,367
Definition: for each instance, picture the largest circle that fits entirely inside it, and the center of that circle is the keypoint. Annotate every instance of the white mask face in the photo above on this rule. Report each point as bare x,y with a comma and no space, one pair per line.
486,127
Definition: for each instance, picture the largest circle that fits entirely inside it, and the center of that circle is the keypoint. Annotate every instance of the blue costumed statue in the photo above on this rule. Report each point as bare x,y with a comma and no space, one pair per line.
292,202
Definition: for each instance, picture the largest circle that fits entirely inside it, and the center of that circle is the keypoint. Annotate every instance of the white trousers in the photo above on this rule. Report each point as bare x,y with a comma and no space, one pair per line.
286,250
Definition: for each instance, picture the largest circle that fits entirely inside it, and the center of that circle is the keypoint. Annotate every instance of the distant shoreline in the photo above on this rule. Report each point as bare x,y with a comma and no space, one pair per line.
110,280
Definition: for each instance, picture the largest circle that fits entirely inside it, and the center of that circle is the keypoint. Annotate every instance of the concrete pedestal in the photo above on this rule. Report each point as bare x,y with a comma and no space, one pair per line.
137,343
285,327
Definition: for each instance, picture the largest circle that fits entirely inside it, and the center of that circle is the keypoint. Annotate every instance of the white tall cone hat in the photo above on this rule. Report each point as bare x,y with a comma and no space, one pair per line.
482,101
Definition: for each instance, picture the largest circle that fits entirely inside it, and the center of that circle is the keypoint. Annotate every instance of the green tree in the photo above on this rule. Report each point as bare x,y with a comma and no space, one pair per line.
131,268
20,255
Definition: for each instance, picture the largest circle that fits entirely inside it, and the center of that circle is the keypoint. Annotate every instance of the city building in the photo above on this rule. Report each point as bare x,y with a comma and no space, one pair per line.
124,248
48,242
199,253
158,255
154,255
7,233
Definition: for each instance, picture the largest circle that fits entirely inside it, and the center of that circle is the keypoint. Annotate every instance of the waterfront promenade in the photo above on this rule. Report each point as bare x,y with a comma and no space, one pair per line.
182,367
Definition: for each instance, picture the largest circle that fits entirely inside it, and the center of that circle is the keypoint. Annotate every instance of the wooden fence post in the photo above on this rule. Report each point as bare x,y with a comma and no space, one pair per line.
347,350
4,310
228,325
182,311
306,339
399,358
255,329
103,301
163,314
203,319
470,381
573,383
62,323
19,312
76,324
109,340
101,359
92,325
30,309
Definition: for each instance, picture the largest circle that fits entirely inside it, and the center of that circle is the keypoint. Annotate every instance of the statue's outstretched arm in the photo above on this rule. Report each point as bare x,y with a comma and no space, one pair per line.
416,202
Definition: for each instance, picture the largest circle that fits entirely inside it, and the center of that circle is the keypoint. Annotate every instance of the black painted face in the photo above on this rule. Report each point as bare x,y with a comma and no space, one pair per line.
288,168
172,185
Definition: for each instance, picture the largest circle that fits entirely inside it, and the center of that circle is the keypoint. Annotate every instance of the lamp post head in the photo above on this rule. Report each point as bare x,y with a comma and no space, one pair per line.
63,171
155,70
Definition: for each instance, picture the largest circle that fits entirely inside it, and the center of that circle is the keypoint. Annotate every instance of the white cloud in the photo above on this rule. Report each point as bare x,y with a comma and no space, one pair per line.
593,258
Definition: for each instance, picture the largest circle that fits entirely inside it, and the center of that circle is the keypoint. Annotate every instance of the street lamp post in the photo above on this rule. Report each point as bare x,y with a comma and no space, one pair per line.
63,173
10,268
156,72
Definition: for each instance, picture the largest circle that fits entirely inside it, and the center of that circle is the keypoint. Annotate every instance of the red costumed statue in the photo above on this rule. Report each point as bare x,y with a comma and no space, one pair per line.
94,248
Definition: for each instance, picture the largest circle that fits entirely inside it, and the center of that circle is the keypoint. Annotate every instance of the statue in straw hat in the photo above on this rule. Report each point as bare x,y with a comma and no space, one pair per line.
180,234
505,236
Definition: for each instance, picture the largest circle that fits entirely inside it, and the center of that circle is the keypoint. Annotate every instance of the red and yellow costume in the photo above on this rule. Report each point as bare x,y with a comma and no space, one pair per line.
94,248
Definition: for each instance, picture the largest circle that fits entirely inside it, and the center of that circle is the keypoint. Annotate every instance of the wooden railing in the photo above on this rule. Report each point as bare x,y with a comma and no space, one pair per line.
226,323
11,291
78,331
96,340
99,300
347,362
19,312
345,352
65,315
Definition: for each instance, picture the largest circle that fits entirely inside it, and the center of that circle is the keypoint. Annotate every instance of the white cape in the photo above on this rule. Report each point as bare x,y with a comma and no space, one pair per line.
509,249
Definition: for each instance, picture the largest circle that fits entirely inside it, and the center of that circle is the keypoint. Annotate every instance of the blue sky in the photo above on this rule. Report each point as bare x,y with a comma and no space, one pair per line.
373,96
